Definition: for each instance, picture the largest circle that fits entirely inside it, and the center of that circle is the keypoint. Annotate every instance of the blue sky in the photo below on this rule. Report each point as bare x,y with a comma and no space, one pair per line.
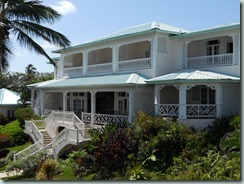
85,20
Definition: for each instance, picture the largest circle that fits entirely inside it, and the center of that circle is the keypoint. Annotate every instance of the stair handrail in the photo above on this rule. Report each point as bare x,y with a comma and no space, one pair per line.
43,148
28,151
30,127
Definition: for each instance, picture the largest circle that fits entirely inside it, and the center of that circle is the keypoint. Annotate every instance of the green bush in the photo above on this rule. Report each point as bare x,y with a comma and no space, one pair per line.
5,141
23,114
29,166
48,169
3,120
16,134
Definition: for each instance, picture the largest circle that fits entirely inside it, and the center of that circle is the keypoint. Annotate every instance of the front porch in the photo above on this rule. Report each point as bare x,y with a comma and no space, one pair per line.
188,101
95,107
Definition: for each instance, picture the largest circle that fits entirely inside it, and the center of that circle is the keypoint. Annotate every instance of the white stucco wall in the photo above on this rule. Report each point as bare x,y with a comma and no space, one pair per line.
144,99
231,99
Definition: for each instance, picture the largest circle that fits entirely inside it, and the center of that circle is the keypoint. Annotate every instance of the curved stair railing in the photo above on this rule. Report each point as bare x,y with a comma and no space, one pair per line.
69,136
28,151
74,133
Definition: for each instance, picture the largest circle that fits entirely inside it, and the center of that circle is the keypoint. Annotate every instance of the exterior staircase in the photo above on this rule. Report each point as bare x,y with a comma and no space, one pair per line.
46,139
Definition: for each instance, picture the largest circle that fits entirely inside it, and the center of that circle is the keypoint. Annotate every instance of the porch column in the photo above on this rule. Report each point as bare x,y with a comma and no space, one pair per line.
130,106
157,98
154,51
182,102
32,98
115,59
42,93
64,100
218,96
236,48
184,53
85,62
93,106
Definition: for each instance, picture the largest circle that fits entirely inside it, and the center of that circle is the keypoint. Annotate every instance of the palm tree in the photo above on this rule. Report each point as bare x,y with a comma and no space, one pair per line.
30,69
23,19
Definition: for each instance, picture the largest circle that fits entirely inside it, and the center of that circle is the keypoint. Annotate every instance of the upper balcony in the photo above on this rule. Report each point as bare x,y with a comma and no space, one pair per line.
127,57
210,53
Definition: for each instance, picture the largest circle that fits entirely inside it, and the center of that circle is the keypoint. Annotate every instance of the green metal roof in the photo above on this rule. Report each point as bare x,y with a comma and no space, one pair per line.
92,81
136,30
191,75
209,30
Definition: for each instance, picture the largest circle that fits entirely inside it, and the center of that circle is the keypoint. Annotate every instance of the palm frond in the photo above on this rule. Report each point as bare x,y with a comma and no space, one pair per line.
5,54
39,31
29,43
31,11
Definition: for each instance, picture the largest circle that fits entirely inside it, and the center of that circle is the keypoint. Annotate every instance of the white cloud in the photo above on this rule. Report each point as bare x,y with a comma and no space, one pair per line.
48,46
64,7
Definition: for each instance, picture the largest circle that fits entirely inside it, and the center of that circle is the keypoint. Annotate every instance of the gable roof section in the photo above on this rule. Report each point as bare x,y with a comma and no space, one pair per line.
136,30
209,30
8,97
93,81
193,76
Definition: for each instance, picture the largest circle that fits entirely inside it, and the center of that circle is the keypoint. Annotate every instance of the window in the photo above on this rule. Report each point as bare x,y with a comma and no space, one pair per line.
229,47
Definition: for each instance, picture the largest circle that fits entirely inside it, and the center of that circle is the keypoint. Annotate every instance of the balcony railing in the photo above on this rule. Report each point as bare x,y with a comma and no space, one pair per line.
74,71
103,118
192,110
142,63
210,61
99,68
168,109
205,110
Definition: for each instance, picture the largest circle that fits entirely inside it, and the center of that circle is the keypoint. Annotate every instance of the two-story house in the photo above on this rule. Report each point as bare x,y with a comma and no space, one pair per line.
154,68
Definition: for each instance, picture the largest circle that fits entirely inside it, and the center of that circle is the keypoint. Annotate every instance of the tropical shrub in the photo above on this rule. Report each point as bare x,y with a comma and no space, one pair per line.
79,164
112,145
16,134
3,120
48,169
29,166
218,129
5,141
23,114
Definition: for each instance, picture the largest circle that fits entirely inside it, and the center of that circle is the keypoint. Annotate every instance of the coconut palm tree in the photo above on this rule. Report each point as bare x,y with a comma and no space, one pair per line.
23,19
30,69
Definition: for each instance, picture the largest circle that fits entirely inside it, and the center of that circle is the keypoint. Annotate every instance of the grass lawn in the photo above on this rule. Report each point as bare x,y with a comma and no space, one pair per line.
67,174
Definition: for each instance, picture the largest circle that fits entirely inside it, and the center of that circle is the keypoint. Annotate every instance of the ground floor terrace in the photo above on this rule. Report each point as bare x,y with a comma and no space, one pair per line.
196,97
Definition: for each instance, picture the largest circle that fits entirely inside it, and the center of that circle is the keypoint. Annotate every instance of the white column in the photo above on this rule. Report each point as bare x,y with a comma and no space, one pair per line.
64,100
42,93
157,98
130,106
236,49
85,62
182,101
32,97
218,97
115,58
61,69
184,53
93,106
154,52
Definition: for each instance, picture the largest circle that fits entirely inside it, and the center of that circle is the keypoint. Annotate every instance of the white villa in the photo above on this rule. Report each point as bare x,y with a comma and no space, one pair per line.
155,68
8,102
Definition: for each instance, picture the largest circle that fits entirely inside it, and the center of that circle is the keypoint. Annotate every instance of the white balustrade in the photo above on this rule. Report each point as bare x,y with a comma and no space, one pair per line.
100,68
74,71
104,118
210,61
28,151
141,63
168,109
202,110
33,131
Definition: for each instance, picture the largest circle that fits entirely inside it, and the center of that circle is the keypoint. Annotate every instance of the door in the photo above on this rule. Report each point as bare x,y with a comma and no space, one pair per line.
212,49
122,103
78,106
